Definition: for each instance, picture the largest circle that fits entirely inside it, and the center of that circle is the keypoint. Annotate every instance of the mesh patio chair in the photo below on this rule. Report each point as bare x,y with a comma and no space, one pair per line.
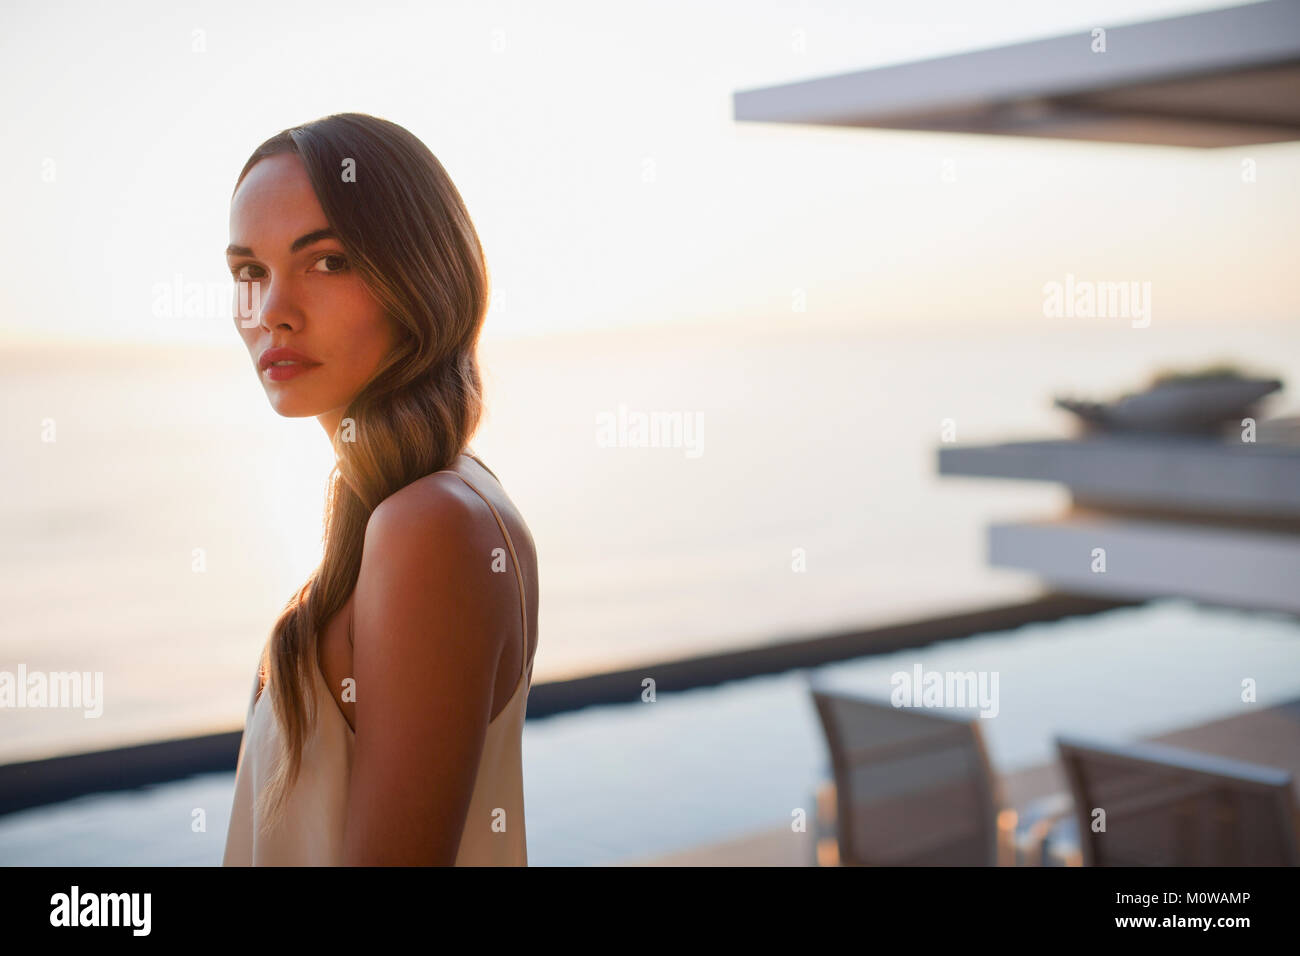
1165,806
912,788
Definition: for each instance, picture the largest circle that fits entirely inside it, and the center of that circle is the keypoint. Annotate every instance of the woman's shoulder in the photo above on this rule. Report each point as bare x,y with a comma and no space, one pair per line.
452,509
429,555
435,502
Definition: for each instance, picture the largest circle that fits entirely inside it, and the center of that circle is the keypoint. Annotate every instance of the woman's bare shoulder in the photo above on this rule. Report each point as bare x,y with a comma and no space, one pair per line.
462,498
438,500
427,562
438,523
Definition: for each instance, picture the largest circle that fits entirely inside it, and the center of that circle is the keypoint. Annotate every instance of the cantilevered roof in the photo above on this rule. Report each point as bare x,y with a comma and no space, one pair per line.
1225,77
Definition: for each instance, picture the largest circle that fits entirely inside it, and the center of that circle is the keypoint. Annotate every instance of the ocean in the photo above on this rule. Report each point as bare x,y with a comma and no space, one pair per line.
156,514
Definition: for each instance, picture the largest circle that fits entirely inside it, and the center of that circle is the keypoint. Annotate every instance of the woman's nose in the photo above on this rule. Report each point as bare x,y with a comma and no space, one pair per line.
276,309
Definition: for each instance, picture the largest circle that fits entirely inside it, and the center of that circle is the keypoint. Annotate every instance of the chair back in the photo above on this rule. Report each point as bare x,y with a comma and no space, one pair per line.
1165,806
913,787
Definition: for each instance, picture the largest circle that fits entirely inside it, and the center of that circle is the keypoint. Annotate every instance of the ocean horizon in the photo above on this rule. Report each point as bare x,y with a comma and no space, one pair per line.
158,514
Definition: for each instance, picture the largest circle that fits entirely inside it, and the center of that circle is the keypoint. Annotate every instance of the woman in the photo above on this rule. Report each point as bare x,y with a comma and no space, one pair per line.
386,718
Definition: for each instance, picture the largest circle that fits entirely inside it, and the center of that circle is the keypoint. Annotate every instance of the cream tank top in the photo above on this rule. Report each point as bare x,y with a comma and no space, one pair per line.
310,831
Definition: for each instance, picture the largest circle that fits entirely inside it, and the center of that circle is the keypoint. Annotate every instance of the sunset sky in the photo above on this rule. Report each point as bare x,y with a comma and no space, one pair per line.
599,159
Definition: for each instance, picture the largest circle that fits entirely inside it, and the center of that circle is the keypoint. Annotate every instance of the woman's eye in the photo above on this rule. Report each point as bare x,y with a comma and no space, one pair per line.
238,273
338,263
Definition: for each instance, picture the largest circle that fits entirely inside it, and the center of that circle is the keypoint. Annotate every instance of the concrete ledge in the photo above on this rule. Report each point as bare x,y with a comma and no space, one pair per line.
1146,559
1162,472
778,846
1150,87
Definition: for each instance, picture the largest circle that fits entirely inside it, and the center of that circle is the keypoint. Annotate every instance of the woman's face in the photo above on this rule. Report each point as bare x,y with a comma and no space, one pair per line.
297,290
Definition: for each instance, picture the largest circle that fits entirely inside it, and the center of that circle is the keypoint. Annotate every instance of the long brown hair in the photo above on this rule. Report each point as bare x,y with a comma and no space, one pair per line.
406,230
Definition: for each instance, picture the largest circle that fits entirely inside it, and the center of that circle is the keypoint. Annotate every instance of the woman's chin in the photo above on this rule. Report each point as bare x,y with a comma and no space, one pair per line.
287,406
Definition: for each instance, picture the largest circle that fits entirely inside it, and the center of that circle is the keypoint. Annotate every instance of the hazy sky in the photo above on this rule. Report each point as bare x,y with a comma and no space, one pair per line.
594,146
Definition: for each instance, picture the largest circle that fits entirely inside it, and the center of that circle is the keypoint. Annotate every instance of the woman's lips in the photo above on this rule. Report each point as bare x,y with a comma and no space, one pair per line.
271,363
282,373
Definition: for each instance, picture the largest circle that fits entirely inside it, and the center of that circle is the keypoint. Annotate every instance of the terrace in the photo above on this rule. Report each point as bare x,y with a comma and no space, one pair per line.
1165,613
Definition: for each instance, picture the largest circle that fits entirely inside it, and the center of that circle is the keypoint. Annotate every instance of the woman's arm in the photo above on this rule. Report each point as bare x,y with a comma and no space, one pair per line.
427,638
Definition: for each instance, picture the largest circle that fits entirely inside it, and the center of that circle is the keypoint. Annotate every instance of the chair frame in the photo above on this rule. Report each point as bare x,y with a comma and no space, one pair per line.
961,729
1269,782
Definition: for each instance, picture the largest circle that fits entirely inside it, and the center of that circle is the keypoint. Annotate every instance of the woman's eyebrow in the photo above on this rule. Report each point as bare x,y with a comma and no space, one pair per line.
299,243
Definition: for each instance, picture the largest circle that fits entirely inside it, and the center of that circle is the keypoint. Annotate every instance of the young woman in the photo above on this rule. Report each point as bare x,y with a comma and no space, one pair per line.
386,717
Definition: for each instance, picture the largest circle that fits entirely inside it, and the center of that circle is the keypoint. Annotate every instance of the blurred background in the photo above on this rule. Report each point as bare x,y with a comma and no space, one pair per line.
828,305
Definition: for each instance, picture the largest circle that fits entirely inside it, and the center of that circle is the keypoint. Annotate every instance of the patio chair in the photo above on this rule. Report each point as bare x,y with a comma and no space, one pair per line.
1165,806
913,788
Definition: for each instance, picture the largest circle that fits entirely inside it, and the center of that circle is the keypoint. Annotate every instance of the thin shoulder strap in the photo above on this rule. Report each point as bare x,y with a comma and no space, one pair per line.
481,465
514,559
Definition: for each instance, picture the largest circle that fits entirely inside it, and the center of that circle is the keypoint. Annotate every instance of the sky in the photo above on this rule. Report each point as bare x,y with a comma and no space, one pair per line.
596,151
